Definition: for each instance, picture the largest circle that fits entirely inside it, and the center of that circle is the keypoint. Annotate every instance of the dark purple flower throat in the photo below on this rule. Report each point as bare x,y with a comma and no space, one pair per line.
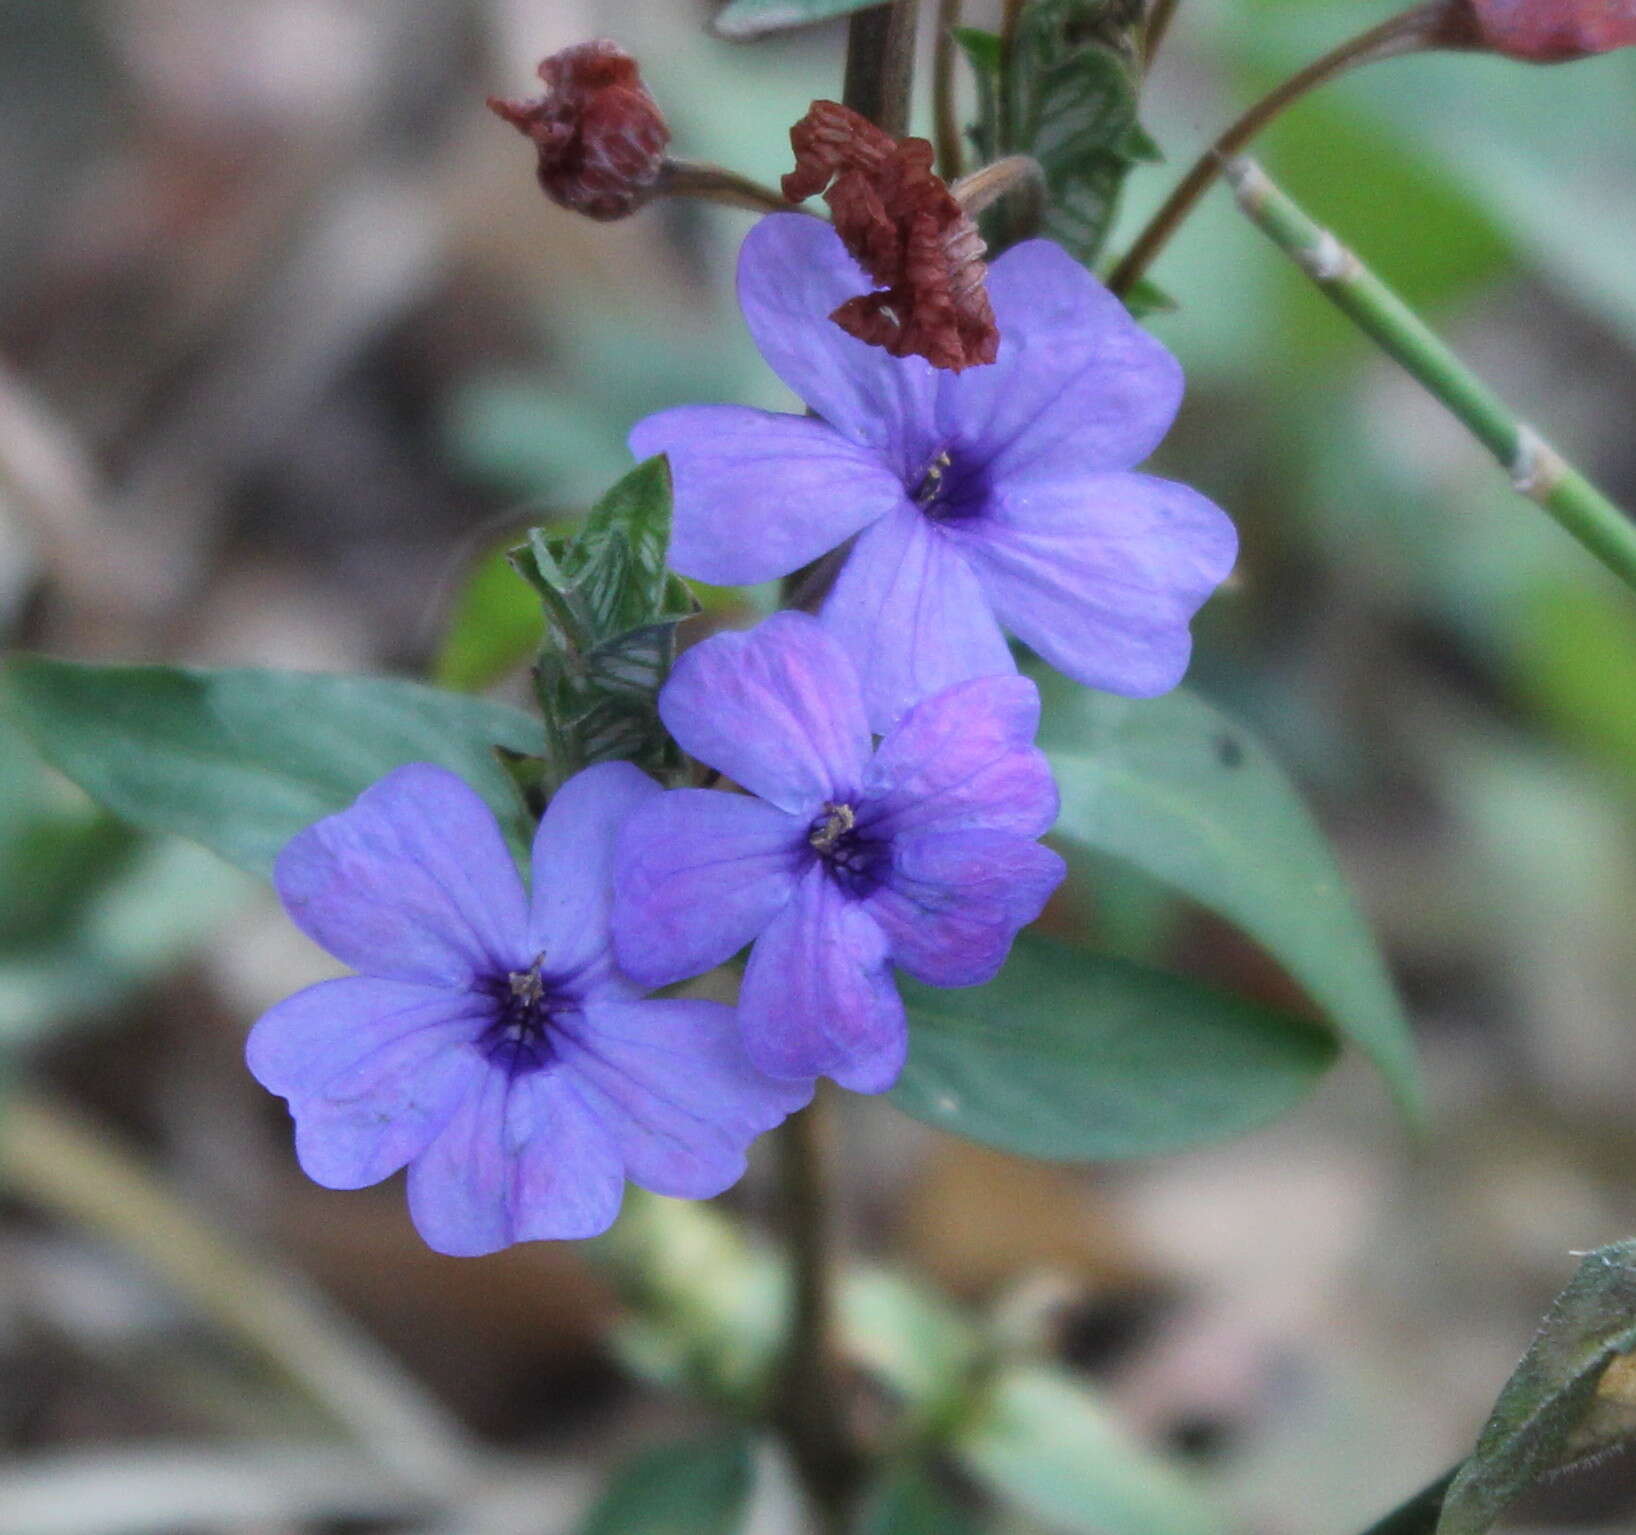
518,1041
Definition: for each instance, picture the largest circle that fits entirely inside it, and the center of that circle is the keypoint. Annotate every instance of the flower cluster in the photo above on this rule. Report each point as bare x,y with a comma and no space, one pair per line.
500,1045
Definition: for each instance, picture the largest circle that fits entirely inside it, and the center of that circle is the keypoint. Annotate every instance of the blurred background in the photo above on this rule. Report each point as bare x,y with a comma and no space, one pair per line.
290,346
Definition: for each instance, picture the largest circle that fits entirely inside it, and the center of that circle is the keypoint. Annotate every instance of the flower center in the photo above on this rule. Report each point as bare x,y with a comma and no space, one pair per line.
856,863
948,488
518,1041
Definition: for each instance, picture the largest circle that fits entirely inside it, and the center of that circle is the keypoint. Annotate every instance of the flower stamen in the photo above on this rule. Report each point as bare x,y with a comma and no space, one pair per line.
838,821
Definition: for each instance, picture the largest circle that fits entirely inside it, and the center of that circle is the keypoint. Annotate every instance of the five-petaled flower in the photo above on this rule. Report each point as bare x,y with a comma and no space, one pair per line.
490,1043
920,853
1002,495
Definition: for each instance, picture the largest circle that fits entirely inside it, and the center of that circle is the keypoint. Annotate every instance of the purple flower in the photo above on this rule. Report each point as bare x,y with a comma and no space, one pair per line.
919,853
490,1043
1001,495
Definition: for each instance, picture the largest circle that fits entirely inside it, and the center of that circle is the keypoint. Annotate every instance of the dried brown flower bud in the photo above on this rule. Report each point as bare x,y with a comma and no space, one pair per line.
601,137
1540,31
906,230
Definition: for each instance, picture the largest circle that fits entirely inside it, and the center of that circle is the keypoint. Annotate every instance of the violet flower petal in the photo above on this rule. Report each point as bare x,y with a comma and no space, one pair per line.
818,997
373,1071
777,709
1101,574
759,495
955,900
793,273
912,616
963,759
524,1159
568,919
413,882
1079,387
698,874
673,1085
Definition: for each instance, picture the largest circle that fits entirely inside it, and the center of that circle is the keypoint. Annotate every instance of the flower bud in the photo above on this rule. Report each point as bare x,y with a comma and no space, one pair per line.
1542,31
601,137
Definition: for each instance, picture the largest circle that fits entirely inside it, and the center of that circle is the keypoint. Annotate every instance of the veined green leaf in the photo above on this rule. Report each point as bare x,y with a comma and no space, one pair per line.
1073,79
242,759
1082,1057
611,606
1193,799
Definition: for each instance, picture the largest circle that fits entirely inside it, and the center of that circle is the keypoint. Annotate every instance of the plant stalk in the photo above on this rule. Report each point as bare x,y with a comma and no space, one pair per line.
951,157
809,1404
880,64
1406,32
880,61
1536,469
717,184
1154,27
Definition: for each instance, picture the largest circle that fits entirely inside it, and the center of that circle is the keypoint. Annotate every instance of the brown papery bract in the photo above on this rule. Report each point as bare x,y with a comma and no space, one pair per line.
907,231
601,137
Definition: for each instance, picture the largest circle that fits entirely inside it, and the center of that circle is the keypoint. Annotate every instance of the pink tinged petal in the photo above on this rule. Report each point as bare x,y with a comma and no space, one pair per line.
909,611
963,759
1078,384
674,1086
1102,574
373,1071
777,709
573,864
759,495
412,883
793,273
955,900
818,997
699,873
525,1159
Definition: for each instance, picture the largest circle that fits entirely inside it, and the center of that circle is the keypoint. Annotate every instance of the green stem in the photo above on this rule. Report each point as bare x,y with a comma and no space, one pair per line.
1404,33
1536,469
1419,1515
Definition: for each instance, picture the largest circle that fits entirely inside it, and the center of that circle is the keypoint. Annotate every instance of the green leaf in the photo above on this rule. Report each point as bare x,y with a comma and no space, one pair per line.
1193,799
496,626
1074,76
750,18
910,1501
241,760
699,1488
1048,1446
612,606
1573,1395
1083,1057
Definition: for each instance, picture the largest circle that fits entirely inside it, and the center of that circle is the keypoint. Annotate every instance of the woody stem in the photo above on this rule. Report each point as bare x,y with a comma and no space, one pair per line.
880,64
809,1407
945,113
1408,31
